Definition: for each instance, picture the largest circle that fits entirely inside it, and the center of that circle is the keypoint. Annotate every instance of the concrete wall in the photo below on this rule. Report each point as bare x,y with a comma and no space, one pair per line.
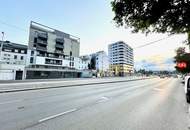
8,71
71,45
7,75
51,42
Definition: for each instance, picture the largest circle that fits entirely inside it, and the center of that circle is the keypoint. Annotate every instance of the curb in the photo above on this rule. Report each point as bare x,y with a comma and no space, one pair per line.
74,85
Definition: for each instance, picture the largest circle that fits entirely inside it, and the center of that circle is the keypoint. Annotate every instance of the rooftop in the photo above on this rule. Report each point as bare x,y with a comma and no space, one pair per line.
9,44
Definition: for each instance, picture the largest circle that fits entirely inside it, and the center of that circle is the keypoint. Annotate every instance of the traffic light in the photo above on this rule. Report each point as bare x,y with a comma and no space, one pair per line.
182,65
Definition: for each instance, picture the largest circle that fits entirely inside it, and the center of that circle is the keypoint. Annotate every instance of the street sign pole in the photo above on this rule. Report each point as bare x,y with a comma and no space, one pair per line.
1,49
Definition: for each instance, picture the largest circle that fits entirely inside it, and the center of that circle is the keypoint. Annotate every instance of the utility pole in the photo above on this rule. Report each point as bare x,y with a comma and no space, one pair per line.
1,49
102,65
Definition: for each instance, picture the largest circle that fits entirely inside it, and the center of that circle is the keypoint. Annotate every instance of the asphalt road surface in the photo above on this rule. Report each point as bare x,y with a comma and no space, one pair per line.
151,104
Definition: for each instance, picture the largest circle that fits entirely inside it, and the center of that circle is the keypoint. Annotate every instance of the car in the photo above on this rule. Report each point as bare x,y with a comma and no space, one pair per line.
175,76
162,76
187,88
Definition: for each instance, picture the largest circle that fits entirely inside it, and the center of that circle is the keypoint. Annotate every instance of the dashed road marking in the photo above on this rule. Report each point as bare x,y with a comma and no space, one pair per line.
158,89
103,99
57,115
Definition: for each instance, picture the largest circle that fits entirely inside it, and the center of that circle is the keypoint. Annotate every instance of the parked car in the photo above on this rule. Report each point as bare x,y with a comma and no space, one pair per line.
187,88
175,76
162,76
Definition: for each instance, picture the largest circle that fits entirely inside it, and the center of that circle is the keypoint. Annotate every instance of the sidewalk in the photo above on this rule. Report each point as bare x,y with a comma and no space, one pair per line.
35,85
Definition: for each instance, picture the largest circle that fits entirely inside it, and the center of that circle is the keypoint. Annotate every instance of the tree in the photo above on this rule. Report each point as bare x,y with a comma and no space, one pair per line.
170,16
179,54
92,63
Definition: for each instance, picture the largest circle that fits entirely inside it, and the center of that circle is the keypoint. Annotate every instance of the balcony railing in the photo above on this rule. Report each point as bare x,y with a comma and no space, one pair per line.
59,51
59,40
43,36
41,48
59,46
41,42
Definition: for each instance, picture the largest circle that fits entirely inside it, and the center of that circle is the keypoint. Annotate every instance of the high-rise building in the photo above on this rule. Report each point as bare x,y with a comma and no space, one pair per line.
121,58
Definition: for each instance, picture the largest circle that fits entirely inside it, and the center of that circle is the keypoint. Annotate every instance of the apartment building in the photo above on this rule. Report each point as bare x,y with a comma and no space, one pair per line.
51,53
12,60
84,62
101,60
121,58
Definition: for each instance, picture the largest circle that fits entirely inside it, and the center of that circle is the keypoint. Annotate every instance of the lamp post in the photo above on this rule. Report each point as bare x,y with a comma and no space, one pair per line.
1,49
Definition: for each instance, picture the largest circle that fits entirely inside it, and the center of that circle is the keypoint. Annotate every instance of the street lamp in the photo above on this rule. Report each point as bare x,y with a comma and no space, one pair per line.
1,49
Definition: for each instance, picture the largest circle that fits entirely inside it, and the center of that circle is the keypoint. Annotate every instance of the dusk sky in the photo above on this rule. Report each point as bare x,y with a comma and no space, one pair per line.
89,20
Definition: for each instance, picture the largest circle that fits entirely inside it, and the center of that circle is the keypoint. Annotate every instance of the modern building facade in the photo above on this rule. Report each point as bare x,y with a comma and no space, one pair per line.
121,58
101,62
12,60
84,62
51,53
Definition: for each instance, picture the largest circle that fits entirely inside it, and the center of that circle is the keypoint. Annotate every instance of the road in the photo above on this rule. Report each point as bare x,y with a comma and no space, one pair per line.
151,104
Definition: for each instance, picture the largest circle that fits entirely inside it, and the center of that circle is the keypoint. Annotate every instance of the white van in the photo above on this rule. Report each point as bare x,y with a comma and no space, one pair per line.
187,88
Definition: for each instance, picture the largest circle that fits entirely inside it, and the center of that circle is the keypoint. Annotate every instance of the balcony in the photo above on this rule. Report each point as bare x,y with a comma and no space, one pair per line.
59,46
53,62
59,51
60,41
43,36
41,42
41,48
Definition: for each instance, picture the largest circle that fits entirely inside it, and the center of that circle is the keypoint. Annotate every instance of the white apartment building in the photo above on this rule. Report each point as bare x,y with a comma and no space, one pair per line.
102,61
121,58
83,62
12,61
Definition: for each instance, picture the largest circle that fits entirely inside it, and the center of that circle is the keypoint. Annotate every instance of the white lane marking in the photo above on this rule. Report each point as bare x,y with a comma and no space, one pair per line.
8,102
103,99
57,115
158,89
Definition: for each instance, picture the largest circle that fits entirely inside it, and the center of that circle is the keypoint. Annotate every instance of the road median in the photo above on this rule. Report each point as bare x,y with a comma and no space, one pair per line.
28,86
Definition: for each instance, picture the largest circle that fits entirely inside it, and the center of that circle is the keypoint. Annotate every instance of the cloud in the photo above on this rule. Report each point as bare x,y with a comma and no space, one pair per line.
156,63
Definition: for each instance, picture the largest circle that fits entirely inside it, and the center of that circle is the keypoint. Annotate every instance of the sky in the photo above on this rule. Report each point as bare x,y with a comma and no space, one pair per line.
91,21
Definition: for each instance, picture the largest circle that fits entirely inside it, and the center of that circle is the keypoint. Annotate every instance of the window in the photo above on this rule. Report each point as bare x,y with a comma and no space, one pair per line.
5,54
22,57
15,56
70,53
22,51
31,59
16,50
8,50
35,40
32,53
